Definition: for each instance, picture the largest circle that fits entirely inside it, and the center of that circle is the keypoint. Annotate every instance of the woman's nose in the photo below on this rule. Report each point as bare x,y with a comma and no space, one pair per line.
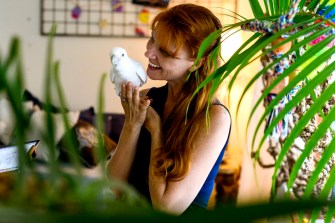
150,53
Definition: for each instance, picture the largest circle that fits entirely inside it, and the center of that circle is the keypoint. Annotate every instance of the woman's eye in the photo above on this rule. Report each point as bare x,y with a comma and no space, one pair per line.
164,52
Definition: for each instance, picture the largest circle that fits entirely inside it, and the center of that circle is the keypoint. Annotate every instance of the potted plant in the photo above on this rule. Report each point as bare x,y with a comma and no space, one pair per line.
294,41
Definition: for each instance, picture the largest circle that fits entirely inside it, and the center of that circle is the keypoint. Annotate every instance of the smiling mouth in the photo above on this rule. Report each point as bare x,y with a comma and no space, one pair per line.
154,66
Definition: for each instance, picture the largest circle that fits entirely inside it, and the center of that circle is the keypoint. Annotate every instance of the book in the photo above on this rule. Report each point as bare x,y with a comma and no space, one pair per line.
9,155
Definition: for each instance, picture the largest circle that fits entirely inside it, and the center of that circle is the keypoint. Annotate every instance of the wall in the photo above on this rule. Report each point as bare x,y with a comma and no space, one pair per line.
82,60
255,181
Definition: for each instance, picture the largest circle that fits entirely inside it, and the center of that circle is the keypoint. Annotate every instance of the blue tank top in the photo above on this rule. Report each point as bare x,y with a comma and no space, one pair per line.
140,168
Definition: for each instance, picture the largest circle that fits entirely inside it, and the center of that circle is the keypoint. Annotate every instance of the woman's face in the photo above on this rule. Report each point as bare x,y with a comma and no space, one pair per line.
164,66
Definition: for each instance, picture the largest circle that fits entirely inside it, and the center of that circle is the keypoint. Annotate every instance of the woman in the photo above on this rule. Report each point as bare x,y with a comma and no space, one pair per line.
166,150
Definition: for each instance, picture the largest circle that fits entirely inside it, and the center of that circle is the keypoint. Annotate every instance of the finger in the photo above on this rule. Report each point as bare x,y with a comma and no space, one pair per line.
129,92
144,104
143,96
123,93
144,101
136,95
146,98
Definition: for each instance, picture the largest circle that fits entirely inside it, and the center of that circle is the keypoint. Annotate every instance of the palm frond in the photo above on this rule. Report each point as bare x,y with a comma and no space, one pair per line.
302,75
308,21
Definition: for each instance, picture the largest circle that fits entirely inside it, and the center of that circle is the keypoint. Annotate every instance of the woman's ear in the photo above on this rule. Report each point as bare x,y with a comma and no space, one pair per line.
196,66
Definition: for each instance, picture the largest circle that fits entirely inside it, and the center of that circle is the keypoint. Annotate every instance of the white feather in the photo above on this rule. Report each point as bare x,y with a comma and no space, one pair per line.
124,69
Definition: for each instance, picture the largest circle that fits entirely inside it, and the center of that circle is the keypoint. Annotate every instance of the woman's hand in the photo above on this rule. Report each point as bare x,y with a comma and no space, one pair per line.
135,107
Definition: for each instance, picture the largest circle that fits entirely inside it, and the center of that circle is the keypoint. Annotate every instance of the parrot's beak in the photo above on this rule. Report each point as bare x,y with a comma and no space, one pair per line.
115,60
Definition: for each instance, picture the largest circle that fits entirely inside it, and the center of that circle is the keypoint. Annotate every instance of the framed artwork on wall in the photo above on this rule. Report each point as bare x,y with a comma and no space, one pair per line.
114,18
152,3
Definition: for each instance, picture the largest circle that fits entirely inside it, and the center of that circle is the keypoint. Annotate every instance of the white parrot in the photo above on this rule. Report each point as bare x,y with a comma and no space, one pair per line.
125,69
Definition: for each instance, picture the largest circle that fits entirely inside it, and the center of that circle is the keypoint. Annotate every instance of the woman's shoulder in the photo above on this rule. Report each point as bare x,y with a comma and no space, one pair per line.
220,112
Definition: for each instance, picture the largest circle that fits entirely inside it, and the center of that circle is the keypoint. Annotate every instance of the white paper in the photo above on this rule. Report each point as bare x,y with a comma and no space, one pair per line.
9,156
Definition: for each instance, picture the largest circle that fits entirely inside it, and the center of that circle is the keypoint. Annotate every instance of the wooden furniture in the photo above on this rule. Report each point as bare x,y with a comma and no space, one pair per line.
227,180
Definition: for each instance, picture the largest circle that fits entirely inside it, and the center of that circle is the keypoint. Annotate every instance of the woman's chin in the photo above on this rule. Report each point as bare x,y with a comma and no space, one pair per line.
154,74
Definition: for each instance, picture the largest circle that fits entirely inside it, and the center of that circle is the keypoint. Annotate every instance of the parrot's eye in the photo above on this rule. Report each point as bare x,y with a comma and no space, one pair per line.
123,54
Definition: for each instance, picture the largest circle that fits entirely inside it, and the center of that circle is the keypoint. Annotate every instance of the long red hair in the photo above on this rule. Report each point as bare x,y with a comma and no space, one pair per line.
185,25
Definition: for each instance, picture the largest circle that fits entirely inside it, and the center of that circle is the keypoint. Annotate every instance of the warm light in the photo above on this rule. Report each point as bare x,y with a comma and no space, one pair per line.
231,41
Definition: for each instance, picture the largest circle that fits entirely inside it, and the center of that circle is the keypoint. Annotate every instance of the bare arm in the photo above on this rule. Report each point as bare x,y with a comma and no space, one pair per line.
135,113
175,197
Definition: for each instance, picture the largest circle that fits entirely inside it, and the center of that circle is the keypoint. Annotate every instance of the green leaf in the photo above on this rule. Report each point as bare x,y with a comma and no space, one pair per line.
256,9
312,5
310,145
301,123
206,43
326,156
70,140
266,91
302,75
100,122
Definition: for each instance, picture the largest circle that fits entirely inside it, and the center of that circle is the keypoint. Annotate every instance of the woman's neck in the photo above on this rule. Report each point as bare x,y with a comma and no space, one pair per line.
174,90
174,93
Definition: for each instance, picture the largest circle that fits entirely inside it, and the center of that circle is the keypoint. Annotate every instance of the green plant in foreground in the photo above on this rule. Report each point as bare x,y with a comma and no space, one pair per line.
53,189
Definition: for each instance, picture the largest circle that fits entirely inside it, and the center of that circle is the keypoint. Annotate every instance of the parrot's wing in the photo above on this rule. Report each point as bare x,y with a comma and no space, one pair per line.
112,75
140,72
